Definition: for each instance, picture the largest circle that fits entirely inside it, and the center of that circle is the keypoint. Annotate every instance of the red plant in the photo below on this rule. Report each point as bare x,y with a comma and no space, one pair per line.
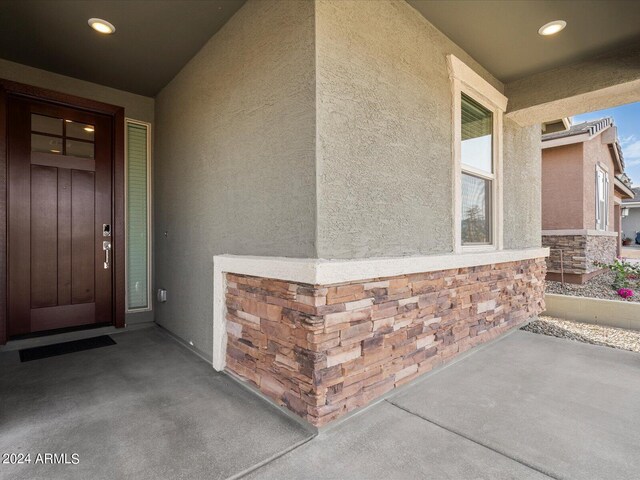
625,292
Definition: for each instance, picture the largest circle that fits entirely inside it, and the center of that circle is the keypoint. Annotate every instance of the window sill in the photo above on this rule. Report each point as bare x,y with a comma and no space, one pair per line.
478,248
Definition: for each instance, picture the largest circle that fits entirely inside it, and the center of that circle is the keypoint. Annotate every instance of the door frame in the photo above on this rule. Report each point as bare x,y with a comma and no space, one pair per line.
9,88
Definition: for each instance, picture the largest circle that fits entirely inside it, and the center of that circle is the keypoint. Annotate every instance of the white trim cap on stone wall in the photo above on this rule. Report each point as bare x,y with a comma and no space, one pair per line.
327,272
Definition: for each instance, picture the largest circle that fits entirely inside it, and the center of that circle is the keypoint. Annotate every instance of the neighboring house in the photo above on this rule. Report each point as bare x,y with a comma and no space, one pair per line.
326,198
583,185
631,217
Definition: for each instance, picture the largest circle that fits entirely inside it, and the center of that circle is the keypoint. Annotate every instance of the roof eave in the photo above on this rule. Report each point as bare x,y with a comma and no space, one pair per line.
625,191
569,140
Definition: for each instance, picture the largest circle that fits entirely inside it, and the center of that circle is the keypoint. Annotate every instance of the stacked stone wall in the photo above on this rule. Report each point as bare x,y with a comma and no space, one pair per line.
323,351
580,253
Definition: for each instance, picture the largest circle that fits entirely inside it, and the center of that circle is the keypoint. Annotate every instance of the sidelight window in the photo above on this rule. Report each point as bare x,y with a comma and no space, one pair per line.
137,215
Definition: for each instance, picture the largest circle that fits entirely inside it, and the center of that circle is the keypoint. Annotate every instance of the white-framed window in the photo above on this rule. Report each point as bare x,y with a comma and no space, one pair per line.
477,173
478,110
138,215
602,199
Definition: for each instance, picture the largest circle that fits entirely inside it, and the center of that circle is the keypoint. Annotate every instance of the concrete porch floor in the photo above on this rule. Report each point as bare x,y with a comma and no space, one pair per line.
146,408
527,406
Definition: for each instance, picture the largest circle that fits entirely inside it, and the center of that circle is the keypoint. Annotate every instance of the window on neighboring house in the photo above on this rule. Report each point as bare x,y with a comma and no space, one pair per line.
137,216
477,182
602,199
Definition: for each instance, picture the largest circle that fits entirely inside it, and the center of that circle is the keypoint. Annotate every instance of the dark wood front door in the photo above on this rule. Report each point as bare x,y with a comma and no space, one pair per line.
59,217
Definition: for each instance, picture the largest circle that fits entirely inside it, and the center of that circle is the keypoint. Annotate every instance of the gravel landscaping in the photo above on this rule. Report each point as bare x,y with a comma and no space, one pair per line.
597,287
586,333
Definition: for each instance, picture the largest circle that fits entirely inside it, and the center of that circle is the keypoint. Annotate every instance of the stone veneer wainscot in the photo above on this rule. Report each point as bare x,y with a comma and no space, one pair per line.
580,252
325,350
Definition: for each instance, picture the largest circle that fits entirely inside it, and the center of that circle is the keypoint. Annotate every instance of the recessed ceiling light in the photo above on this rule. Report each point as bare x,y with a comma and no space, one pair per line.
89,128
552,27
101,26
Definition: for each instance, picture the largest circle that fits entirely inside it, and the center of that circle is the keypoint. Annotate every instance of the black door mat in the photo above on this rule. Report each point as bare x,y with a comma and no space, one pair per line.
36,353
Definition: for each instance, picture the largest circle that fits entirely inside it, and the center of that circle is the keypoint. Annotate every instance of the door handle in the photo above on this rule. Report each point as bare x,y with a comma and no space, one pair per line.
106,246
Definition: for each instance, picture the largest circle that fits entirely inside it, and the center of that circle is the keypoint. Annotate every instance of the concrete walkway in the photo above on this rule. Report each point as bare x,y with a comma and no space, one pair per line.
631,252
527,406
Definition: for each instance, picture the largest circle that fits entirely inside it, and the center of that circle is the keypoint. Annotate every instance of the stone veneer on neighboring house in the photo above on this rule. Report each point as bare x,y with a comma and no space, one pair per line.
580,252
323,351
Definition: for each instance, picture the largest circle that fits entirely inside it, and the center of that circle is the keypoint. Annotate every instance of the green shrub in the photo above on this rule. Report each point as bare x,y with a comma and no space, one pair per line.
626,273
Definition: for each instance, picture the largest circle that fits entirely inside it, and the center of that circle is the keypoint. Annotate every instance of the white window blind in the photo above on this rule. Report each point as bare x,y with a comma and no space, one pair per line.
602,199
137,216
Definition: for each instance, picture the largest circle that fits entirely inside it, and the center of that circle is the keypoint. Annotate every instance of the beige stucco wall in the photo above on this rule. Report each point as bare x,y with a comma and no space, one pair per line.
562,188
234,167
136,106
384,136
522,180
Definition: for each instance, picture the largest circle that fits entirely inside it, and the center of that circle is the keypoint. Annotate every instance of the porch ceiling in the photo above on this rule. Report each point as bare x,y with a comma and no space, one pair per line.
153,39
503,36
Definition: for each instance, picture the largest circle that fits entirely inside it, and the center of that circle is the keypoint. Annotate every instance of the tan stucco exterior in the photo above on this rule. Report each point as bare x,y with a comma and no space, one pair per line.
569,185
563,188
578,243
235,152
384,137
